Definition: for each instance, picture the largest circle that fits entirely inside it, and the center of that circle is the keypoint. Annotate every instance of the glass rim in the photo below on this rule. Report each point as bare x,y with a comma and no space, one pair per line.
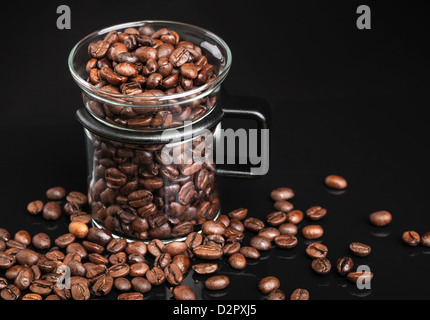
118,98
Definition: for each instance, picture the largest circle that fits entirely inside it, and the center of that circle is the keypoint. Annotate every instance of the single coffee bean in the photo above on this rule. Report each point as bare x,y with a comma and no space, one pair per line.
122,284
260,243
231,248
253,224
6,260
78,249
13,272
93,247
217,283
360,249
295,216
276,295
77,268
224,220
363,277
138,269
137,247
269,233
141,285
182,261
15,245
35,207
3,283
411,238
236,224
103,286
321,266
268,284
173,274
4,235
23,237
317,251
24,279
300,294
238,214
205,268
155,247
52,297
131,296
316,213
312,232
276,218
41,241
77,197
250,252
237,261
283,205
425,239
10,293
52,211
163,260
56,193
174,248
80,291
116,245
286,242
42,287
288,229
344,265
156,276
27,257
118,270
99,236
380,218
282,194
81,217
336,182
208,252
32,296
183,292
213,227
64,240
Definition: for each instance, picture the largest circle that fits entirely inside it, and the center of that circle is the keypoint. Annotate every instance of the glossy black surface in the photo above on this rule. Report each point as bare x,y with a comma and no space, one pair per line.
343,101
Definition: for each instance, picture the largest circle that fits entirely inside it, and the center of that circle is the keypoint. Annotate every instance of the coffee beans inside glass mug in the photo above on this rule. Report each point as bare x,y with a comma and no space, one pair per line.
143,63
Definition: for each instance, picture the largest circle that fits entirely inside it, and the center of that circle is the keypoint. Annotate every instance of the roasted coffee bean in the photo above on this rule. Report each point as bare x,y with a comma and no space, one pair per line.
32,296
56,193
276,218
253,224
360,249
312,232
295,216
122,284
155,247
77,268
99,49
344,265
99,236
64,240
213,227
282,194
135,258
183,292
174,248
173,274
78,229
321,266
238,214
71,208
80,291
179,57
286,242
3,283
41,241
141,285
24,279
52,211
23,237
288,229
97,259
12,272
237,261
163,260
380,218
138,269
364,277
260,243
116,245
10,293
35,207
27,257
269,233
317,251
182,261
268,284
103,286
283,205
250,252
217,283
93,247
316,213
4,235
236,224
300,294
138,247
425,239
77,197
193,240
81,217
208,252
131,296
119,270
205,268
231,248
55,255
336,182
42,287
276,295
156,276
13,244
411,238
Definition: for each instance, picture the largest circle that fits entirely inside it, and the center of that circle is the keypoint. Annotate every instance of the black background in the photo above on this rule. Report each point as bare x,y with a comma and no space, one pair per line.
343,101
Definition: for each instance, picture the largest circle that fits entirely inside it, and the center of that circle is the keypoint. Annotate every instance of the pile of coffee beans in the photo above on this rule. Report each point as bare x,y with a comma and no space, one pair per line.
135,194
145,63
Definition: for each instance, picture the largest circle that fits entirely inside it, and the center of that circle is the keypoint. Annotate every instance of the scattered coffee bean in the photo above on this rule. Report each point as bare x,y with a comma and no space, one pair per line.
336,182
35,207
344,265
360,249
276,218
276,295
321,266
295,216
238,214
411,238
205,268
217,283
52,211
425,239
78,229
183,292
283,205
381,218
41,241
317,251
56,193
312,232
300,294
260,243
282,194
316,213
23,237
288,229
286,241
237,261
268,284
359,276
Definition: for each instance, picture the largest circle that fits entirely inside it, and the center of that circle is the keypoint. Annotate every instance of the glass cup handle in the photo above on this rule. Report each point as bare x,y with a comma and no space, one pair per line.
253,109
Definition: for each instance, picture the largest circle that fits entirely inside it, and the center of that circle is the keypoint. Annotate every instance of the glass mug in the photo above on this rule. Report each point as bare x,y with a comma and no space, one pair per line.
150,157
